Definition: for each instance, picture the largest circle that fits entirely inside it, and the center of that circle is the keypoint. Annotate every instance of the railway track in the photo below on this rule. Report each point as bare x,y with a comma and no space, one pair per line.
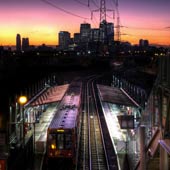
93,144
92,155
98,159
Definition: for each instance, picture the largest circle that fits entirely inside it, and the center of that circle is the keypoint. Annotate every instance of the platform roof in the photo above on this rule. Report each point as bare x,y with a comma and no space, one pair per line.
50,95
115,95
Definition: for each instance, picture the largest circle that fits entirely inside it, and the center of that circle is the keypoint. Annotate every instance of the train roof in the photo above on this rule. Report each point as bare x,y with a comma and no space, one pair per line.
68,110
64,119
75,87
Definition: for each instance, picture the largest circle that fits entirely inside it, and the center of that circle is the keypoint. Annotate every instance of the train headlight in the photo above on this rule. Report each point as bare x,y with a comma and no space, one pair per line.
53,146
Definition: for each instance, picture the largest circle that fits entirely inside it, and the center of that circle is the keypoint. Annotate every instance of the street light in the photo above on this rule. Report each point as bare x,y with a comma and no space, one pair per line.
22,100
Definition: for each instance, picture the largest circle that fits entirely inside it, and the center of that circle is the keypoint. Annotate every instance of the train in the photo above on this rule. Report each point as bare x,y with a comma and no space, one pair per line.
64,130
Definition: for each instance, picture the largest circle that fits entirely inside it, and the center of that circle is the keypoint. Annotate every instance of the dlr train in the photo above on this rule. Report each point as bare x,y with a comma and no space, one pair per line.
63,131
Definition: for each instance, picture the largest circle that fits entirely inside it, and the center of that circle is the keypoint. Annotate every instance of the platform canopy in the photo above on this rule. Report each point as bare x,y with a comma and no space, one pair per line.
115,95
49,95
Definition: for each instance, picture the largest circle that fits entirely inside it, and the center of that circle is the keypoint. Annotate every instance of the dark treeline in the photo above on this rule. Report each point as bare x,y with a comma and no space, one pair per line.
20,70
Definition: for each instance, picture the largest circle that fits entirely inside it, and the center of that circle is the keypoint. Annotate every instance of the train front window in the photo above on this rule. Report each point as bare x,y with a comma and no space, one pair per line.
60,141
68,141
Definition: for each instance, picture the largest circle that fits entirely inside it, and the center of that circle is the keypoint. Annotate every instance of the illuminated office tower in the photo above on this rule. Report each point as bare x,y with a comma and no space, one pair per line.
106,32
94,35
85,30
64,39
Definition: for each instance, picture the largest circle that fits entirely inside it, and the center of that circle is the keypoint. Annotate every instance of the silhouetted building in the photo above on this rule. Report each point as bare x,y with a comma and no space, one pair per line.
76,38
110,32
1,48
85,30
43,47
18,43
64,39
143,43
94,35
103,31
106,32
25,44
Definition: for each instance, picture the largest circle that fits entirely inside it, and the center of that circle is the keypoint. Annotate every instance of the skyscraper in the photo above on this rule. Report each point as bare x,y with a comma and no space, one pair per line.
25,44
64,39
106,32
110,32
77,38
94,35
85,30
143,43
18,43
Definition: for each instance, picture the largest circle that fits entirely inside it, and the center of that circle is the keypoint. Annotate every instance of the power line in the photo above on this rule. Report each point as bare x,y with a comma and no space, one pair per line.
88,5
94,2
63,10
81,3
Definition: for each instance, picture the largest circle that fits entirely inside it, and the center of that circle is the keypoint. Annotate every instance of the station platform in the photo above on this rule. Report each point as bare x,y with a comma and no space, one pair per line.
41,128
37,134
116,103
118,136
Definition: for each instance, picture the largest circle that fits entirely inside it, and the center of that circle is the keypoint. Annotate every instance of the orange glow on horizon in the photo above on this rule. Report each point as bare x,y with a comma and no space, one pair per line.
42,25
49,36
133,36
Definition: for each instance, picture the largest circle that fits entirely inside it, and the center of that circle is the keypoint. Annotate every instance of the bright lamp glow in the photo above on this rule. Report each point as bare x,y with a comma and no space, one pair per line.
22,99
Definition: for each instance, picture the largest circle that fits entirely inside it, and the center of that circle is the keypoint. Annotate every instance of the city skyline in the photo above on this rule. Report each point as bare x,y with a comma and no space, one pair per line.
42,20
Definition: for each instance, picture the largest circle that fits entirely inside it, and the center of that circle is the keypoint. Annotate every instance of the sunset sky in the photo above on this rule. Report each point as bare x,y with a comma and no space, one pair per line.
41,20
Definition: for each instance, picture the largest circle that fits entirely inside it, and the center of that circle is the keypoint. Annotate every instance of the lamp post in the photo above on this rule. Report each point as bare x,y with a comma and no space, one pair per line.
22,100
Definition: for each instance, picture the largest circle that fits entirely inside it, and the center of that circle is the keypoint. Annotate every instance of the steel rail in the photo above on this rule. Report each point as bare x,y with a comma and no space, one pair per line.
94,95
